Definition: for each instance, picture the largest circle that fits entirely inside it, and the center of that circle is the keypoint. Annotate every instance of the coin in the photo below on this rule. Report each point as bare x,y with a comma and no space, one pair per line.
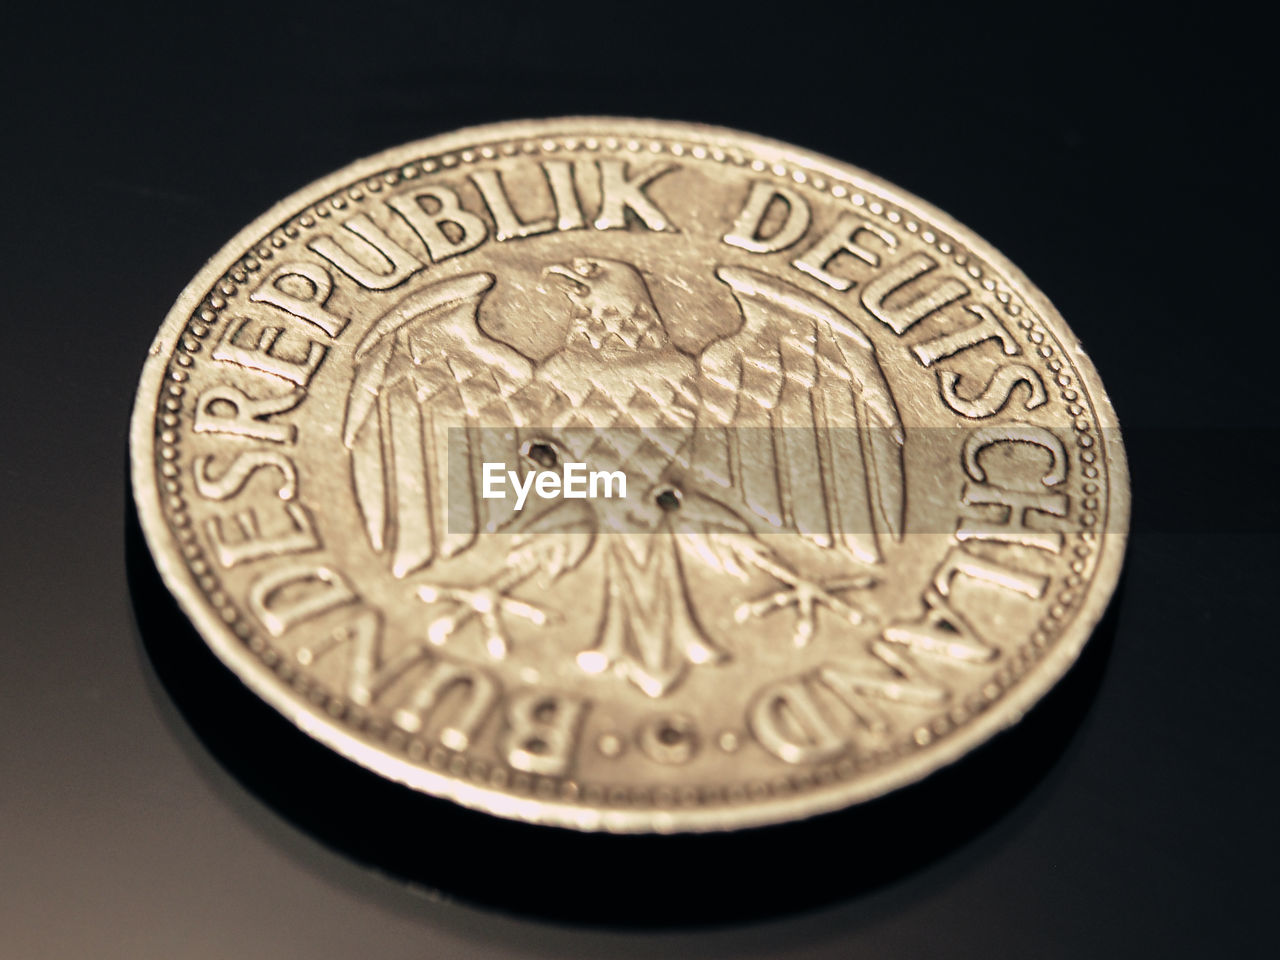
629,475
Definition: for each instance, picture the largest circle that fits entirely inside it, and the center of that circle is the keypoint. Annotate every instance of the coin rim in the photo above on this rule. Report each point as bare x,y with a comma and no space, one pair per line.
235,654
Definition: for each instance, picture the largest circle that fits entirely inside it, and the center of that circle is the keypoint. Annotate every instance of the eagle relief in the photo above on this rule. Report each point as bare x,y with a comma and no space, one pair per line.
786,425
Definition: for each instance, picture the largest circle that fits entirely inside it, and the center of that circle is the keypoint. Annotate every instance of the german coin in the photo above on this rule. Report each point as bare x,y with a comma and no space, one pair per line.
629,476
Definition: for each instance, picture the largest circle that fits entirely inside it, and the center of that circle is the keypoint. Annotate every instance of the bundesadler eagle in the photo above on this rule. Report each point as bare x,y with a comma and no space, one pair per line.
786,425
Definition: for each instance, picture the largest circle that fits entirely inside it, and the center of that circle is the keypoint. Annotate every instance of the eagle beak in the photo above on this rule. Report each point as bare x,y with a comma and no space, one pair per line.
566,274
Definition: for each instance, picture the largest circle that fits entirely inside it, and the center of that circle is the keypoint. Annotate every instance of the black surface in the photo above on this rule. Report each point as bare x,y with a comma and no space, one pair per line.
1118,162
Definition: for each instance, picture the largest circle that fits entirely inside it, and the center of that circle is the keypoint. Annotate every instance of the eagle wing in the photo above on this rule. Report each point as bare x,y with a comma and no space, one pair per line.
431,399
798,420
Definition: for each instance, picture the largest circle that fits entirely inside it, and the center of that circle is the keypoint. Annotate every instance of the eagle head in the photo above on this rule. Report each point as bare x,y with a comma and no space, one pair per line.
611,301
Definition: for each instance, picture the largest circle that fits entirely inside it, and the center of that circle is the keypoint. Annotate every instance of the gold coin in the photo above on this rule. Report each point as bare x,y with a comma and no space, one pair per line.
627,475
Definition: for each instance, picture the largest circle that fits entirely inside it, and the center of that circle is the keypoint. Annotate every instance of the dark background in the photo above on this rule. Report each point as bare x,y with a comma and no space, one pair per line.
149,809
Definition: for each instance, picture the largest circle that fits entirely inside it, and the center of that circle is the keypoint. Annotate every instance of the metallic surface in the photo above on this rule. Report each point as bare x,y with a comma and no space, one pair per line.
820,621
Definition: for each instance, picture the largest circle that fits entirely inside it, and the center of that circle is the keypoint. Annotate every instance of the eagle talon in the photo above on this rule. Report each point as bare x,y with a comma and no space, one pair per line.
485,604
806,596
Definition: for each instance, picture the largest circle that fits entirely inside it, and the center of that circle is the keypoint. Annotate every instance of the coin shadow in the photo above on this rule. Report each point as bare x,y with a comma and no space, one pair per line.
585,878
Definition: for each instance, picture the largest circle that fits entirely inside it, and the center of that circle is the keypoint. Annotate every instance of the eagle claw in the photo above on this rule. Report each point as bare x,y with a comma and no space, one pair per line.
485,604
806,596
